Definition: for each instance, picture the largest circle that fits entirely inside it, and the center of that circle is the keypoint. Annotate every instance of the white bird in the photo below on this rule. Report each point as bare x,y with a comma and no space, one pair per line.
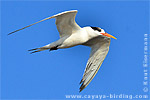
71,34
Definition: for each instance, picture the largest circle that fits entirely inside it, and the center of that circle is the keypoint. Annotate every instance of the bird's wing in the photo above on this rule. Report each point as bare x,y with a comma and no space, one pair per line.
65,23
99,49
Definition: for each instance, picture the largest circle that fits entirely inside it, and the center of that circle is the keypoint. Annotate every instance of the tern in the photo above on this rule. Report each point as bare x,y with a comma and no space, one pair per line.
71,34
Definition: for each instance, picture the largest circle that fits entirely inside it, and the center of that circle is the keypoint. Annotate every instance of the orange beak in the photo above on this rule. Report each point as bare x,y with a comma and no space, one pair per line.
108,35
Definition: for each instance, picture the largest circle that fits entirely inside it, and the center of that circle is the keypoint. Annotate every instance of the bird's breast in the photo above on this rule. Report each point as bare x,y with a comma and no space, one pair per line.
77,38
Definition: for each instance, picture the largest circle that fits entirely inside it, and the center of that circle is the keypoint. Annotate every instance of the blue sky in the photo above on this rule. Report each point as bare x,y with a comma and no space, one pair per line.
52,75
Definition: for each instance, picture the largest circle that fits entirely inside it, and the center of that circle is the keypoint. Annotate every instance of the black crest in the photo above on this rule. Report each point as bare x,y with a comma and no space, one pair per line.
96,28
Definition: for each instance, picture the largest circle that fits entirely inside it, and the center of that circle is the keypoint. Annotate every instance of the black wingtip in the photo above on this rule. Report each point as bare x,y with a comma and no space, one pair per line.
82,87
80,90
81,81
15,31
10,33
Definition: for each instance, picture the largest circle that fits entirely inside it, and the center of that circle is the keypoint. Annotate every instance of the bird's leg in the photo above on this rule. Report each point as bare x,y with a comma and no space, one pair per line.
54,48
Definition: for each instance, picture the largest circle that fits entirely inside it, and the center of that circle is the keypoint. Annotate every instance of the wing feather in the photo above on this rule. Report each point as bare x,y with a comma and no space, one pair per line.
99,49
65,23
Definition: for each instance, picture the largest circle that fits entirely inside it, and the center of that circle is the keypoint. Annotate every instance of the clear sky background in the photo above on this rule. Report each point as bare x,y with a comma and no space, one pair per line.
52,75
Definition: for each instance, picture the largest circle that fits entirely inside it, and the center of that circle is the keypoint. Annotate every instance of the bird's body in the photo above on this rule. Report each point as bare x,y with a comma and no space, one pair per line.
80,37
71,34
77,38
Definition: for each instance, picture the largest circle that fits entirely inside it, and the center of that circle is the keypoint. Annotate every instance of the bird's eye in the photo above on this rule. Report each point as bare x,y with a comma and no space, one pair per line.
96,28
99,30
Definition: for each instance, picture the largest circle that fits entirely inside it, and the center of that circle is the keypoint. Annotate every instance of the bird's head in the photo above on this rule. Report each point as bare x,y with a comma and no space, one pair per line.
100,31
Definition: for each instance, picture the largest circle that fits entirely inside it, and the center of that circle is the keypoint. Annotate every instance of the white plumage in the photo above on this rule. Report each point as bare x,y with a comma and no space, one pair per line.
71,34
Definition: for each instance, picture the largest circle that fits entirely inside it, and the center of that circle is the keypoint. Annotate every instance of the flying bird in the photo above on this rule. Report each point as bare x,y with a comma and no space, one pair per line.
71,34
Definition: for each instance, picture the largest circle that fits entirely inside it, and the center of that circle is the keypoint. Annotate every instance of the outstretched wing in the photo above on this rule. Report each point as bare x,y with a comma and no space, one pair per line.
100,48
65,23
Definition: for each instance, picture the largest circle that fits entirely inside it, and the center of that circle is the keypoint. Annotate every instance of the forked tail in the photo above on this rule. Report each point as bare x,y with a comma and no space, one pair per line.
47,47
37,50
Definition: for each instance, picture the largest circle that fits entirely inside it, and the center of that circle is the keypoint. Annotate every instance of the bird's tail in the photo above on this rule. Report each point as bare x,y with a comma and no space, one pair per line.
37,50
47,47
